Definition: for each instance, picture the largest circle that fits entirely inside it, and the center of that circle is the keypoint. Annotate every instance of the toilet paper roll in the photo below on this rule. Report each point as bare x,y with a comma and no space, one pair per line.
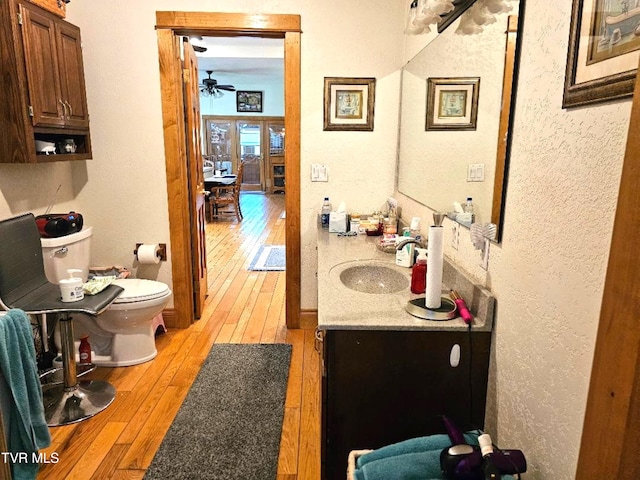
435,258
148,254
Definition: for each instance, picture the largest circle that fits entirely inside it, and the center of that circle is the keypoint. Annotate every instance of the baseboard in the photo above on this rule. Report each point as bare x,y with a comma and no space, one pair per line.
308,319
169,317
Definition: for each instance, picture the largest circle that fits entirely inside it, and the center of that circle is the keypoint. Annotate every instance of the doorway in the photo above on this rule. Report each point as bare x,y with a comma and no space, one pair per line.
170,27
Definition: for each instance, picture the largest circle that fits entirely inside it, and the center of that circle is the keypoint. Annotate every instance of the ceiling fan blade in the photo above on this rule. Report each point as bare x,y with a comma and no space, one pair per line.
229,88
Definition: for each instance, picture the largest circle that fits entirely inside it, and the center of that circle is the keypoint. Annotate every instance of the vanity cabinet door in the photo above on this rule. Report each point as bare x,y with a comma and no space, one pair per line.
383,387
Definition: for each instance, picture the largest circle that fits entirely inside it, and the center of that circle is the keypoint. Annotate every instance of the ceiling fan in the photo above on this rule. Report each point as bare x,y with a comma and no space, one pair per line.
210,87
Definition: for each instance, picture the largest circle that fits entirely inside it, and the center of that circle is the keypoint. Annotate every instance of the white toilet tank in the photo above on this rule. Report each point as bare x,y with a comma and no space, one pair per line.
64,253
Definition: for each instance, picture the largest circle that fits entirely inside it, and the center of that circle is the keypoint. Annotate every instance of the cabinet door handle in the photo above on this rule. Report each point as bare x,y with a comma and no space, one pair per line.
70,109
64,107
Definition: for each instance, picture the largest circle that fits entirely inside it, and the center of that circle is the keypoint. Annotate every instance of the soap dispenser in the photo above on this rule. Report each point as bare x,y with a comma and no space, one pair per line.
71,288
419,272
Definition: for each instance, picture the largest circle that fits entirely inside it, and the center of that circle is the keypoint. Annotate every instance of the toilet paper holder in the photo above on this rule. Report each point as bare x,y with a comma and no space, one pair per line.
162,252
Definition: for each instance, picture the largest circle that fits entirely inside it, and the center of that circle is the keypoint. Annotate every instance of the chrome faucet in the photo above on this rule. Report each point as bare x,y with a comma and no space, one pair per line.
420,243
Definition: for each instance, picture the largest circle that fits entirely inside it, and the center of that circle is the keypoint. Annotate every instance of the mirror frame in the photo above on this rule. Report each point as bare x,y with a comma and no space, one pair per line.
513,52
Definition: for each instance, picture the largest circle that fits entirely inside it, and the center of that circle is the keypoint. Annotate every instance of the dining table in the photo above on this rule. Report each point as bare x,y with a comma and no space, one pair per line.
219,180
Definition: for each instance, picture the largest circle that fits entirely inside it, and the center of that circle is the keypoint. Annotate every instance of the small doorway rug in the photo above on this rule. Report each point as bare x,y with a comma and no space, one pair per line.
229,426
269,257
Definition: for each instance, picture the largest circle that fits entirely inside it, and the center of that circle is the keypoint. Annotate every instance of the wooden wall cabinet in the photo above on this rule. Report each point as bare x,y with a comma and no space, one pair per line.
381,387
45,96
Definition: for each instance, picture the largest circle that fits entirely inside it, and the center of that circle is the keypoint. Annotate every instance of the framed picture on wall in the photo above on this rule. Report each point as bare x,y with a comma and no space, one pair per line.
452,103
349,103
604,46
248,101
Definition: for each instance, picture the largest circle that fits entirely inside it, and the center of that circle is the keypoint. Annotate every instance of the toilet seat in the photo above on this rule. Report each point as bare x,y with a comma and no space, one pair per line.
138,290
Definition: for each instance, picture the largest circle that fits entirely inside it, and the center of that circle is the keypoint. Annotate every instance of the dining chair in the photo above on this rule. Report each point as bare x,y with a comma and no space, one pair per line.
24,285
225,199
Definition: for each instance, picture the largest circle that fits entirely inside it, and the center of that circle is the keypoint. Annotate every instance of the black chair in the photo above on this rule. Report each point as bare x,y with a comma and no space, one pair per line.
24,285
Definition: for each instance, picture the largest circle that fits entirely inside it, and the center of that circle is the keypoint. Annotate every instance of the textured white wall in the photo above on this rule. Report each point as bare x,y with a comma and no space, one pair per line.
548,273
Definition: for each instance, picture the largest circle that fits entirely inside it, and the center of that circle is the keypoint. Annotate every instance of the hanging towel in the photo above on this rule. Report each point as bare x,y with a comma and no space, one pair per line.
27,427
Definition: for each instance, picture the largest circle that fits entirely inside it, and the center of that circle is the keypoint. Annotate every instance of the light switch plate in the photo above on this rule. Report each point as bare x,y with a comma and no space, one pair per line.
319,173
475,172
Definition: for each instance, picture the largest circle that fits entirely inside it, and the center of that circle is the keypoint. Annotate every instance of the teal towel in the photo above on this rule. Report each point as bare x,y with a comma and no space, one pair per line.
27,427
414,445
408,466
413,459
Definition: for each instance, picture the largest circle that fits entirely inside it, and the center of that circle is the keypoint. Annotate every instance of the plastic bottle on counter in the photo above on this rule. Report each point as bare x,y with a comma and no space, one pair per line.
468,208
419,272
414,229
324,213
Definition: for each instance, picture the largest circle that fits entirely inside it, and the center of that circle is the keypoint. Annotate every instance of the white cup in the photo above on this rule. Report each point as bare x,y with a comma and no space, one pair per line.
217,173
71,289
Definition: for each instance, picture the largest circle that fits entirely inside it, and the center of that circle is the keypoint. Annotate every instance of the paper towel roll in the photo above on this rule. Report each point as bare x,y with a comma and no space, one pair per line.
148,254
435,258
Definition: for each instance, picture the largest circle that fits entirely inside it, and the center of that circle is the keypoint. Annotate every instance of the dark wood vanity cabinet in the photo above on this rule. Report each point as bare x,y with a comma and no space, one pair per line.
44,90
380,387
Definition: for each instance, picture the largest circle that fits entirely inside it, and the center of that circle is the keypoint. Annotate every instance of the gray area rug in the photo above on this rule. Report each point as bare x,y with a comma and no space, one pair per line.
229,426
269,258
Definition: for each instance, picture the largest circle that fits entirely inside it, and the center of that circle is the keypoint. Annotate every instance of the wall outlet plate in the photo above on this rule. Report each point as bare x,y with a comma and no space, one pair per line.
485,254
455,235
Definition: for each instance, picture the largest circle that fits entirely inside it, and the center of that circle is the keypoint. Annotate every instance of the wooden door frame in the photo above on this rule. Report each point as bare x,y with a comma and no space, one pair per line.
170,26
610,435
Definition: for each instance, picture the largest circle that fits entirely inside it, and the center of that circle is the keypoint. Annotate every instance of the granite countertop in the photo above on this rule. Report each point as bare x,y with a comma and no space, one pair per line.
341,308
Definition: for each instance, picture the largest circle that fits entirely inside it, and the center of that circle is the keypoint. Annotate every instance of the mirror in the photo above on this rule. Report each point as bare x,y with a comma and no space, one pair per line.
435,167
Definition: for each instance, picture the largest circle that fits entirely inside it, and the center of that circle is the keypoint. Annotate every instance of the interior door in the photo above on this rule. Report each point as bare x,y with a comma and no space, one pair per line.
195,168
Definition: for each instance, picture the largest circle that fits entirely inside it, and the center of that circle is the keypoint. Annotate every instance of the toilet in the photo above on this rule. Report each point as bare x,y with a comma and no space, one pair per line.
123,334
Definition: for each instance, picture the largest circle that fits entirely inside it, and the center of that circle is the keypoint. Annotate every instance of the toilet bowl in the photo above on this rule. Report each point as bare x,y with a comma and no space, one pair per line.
123,334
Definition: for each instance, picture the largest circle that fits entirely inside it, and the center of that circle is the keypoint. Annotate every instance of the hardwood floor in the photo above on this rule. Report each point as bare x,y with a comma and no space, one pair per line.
242,307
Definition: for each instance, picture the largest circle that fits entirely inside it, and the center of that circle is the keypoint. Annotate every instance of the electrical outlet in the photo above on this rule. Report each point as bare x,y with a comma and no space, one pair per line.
455,235
485,254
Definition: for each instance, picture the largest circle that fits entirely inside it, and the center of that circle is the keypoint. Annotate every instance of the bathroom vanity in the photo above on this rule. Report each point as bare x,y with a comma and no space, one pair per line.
389,376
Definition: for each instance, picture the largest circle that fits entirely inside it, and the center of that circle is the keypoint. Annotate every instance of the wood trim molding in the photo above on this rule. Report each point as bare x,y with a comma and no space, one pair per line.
169,317
177,178
308,319
229,22
610,436
169,26
292,87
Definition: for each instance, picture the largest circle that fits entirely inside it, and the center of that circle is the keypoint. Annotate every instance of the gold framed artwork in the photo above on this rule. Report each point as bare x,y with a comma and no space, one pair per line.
349,103
604,47
452,103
